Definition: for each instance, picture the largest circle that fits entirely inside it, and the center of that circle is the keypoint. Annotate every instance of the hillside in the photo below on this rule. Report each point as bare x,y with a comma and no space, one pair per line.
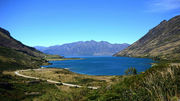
9,42
163,41
84,48
15,55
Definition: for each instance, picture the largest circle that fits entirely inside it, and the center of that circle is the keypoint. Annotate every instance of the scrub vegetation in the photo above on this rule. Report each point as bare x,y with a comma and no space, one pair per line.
159,83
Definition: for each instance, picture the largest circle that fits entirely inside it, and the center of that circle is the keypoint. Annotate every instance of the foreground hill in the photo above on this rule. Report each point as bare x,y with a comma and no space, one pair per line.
15,55
163,41
81,48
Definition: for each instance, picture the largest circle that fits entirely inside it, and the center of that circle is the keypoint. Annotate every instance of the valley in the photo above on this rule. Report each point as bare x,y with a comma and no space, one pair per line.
22,80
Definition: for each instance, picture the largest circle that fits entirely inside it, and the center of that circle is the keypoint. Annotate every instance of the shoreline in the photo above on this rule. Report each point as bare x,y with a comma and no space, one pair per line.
68,69
62,59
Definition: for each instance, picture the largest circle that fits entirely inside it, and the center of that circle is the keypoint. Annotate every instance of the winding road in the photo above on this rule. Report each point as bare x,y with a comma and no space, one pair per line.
50,81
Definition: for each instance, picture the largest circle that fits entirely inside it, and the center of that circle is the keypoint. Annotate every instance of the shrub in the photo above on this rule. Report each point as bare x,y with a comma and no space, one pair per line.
131,71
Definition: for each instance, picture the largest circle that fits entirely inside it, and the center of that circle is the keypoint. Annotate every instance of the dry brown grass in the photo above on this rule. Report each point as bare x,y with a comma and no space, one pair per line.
67,76
8,73
162,84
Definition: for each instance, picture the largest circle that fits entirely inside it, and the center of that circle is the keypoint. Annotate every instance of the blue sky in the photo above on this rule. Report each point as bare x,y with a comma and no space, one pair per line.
52,22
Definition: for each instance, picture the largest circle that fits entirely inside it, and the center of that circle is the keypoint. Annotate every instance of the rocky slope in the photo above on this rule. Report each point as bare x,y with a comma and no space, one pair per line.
163,41
84,48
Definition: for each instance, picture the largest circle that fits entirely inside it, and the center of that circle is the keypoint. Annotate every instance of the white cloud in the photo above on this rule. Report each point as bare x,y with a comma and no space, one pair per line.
163,5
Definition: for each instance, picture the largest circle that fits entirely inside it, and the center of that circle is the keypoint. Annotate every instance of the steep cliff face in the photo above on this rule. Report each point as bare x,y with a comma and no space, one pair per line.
9,42
163,41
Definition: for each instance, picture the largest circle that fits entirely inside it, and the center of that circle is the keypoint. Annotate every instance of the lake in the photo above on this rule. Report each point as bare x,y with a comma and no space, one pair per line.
103,65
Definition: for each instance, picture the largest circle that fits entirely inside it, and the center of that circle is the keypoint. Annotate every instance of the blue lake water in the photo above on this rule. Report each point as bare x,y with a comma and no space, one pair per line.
103,65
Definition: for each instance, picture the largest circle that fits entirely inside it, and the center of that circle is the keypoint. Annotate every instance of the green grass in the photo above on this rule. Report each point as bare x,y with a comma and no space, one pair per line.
16,88
11,59
88,81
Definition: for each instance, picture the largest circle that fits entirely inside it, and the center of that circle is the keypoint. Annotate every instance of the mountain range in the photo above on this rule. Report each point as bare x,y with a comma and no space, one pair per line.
163,42
84,48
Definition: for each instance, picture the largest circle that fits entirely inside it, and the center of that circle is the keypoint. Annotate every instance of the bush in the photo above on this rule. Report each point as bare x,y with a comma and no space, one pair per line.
131,71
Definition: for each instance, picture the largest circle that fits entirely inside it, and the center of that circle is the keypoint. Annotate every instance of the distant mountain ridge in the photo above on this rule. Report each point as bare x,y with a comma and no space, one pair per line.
84,48
163,41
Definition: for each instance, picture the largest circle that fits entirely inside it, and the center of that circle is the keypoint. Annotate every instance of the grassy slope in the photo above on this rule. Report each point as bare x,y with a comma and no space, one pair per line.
163,41
11,59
